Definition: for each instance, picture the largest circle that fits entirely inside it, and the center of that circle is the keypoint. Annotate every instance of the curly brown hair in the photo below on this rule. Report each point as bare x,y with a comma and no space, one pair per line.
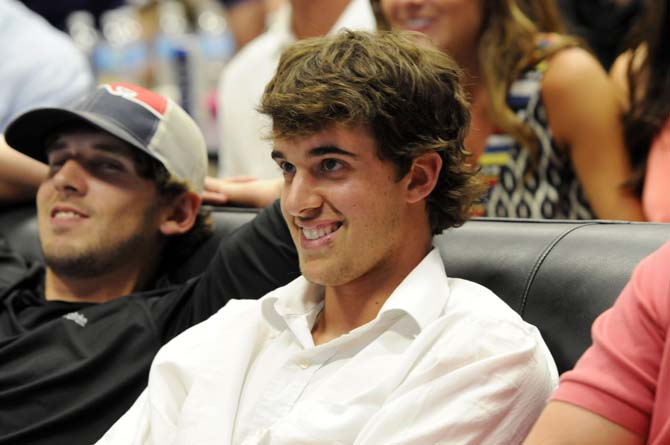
408,94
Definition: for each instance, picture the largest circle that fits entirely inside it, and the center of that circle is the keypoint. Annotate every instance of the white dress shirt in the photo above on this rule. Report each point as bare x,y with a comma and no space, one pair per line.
244,147
444,361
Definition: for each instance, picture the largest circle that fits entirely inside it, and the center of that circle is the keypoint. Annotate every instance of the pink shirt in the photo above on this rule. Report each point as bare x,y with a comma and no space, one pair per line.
656,190
625,375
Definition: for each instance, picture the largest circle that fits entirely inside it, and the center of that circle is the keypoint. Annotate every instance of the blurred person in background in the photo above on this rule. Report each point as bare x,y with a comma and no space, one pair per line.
242,130
57,12
642,75
602,23
545,127
246,19
42,67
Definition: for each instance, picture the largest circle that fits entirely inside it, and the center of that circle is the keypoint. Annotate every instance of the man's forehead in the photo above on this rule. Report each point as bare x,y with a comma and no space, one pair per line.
97,140
336,139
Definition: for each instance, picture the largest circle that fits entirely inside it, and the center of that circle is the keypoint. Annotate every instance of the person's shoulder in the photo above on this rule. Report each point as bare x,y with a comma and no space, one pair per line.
652,281
231,320
480,305
477,324
569,68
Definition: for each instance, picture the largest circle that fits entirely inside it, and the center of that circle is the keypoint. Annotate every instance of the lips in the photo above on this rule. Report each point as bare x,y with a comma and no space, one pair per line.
67,213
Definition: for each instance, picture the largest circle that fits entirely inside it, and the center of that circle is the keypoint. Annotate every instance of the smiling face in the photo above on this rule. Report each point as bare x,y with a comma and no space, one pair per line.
344,206
454,26
95,212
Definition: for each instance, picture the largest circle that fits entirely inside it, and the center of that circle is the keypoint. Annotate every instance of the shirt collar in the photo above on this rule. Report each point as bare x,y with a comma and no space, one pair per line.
422,295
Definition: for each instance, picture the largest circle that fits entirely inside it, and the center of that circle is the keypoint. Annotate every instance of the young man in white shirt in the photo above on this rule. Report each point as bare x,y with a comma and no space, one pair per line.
374,343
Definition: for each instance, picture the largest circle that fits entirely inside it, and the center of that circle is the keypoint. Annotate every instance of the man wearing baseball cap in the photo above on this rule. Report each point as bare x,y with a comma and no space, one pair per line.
119,207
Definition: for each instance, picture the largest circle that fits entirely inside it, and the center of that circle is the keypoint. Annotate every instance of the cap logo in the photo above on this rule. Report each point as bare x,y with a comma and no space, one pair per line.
153,102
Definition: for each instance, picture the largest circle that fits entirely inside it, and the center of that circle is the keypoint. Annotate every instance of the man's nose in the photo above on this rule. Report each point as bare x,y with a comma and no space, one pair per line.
301,195
70,178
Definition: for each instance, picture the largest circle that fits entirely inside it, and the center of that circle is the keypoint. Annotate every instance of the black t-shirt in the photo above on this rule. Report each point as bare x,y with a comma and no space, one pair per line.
69,370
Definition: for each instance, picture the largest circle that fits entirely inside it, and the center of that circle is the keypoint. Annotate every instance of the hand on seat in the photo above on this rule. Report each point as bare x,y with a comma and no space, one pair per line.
243,191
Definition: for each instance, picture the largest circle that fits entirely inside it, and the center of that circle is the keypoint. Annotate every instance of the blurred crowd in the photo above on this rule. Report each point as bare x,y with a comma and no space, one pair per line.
568,98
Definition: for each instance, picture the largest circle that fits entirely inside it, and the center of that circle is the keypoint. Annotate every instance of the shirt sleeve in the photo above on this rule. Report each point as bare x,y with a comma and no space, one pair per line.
12,265
616,377
481,391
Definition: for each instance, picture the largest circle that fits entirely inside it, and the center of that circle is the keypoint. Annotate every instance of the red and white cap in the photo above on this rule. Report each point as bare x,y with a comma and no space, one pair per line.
146,120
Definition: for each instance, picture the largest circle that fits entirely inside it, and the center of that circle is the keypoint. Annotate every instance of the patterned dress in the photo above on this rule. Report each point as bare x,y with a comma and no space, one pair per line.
518,186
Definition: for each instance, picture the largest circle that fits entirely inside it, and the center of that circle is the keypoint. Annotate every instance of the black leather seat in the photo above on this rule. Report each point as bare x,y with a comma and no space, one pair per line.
557,275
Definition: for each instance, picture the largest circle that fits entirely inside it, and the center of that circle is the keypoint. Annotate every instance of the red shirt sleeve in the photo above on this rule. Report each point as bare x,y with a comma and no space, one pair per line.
617,376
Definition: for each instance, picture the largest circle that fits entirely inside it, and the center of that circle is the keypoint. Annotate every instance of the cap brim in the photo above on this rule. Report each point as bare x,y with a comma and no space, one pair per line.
27,133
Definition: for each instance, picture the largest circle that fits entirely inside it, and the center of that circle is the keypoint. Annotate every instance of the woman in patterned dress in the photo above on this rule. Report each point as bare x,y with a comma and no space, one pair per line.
546,126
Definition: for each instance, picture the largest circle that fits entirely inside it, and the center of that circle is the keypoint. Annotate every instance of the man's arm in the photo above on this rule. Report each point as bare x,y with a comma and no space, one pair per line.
565,424
20,175
610,396
253,260
242,190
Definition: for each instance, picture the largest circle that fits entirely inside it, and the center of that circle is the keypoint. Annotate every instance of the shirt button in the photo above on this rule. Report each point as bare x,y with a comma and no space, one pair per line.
304,364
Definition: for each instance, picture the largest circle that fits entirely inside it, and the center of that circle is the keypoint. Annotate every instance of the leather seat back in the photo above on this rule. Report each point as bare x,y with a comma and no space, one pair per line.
559,275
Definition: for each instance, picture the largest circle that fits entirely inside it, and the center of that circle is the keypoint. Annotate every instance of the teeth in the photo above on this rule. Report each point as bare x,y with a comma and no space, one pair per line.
319,232
417,23
65,215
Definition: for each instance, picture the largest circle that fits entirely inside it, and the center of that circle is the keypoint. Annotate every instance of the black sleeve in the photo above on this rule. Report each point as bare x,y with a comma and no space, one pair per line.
253,260
12,265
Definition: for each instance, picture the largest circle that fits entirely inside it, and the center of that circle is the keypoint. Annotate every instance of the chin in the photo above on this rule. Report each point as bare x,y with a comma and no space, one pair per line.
325,273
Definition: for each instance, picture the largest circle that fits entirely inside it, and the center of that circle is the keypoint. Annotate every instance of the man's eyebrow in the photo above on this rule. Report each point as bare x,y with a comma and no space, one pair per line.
112,148
115,149
330,150
322,150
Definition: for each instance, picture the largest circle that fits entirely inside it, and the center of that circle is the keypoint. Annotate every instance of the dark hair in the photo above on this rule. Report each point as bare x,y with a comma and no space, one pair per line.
648,75
178,247
408,94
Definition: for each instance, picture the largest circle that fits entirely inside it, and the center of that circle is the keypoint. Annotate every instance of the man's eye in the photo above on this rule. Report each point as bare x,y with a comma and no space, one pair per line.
286,167
55,164
54,167
109,165
331,165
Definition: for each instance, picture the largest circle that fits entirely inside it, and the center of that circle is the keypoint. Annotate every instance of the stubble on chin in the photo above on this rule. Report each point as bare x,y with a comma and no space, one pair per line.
91,261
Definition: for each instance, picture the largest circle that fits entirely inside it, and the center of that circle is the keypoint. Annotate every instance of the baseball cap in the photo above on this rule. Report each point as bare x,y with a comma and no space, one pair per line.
144,119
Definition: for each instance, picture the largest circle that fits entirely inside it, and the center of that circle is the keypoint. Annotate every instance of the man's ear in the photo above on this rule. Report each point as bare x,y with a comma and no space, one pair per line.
423,176
179,215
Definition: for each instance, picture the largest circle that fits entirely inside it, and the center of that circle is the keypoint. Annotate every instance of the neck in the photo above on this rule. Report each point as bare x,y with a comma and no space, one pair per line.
99,288
312,18
472,76
351,305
